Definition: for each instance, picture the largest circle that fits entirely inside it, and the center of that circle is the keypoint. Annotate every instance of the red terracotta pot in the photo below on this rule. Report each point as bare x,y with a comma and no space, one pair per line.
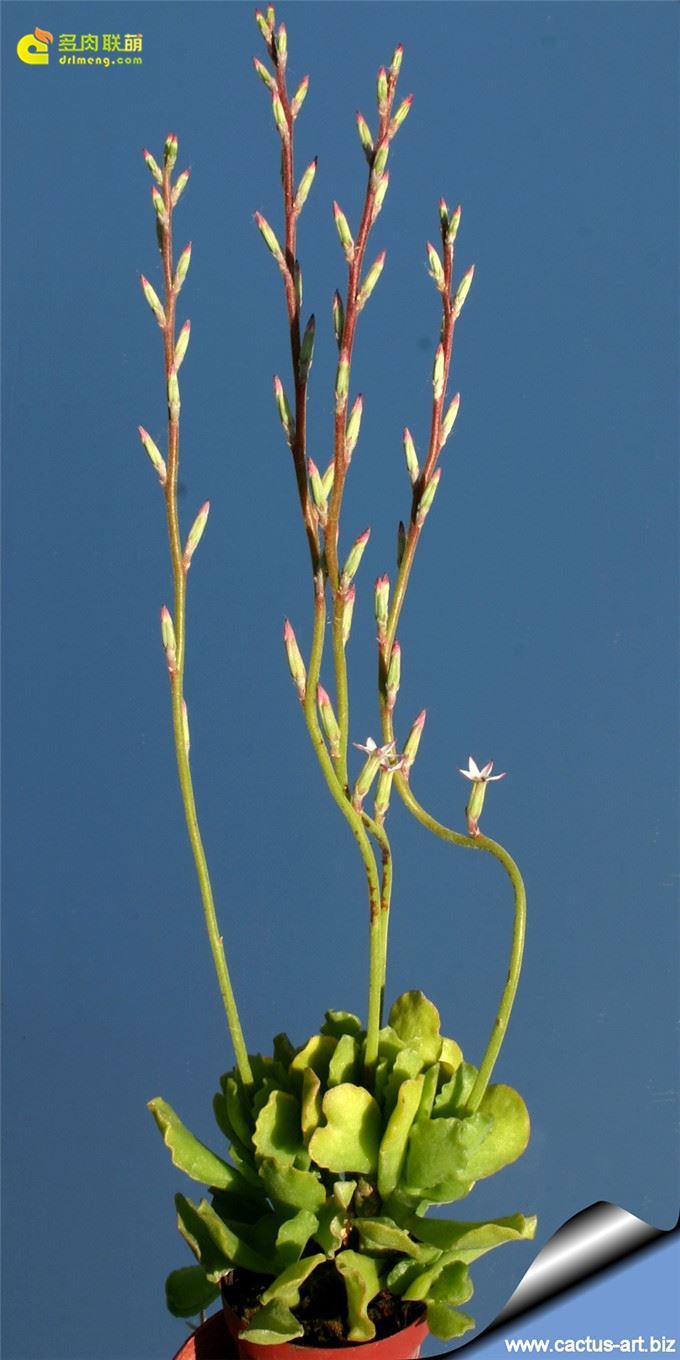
214,1340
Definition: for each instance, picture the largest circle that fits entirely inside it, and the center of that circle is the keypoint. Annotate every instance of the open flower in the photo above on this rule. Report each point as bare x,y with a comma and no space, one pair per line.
383,754
479,780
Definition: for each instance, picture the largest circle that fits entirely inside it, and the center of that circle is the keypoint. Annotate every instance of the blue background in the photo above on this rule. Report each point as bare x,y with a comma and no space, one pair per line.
540,630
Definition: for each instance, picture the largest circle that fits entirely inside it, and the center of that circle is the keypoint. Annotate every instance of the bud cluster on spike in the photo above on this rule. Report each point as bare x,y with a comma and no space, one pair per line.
295,662
370,281
159,206
400,115
329,721
153,300
354,557
346,238
279,116
462,291
353,428
264,74
382,599
347,614
435,267
269,239
185,728
306,350
182,268
285,413
338,317
438,373
299,97
265,25
173,395
182,344
154,454
342,381
195,534
413,742
381,91
180,185
411,457
168,639
153,166
393,676
170,151
304,187
427,497
380,155
365,137
449,420
380,195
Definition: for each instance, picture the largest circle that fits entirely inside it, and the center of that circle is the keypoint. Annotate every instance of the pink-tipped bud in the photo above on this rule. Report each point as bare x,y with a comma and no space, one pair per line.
382,597
438,374
435,267
370,281
401,113
281,47
154,453
338,317
393,676
264,74
318,496
428,496
168,639
279,116
395,65
365,137
381,91
180,185
159,206
463,290
153,300
411,457
342,226
182,268
354,557
173,395
285,413
270,240
454,223
347,614
380,192
299,97
449,420
342,380
304,187
170,150
353,427
295,662
413,742
329,721
153,166
182,343
195,534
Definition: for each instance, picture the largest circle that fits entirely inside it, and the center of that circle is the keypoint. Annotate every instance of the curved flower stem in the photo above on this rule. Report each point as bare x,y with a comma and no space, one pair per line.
500,1024
356,826
380,835
176,671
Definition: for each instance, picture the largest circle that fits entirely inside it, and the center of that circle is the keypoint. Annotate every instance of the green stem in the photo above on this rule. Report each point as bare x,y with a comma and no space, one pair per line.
500,1024
177,672
380,835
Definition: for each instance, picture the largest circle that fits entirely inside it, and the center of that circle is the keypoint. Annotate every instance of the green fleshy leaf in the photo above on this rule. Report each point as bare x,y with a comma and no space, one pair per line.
278,1133
395,1138
407,1064
317,1054
246,1208
445,1323
213,1243
192,1156
312,1097
188,1292
271,1324
431,1079
350,1139
293,1236
362,1282
450,1102
440,1152
331,1229
292,1188
402,1274
509,1135
343,1191
451,1055
284,1051
237,1111
389,1044
451,1285
338,1023
286,1286
344,1065
382,1235
471,1240
416,1021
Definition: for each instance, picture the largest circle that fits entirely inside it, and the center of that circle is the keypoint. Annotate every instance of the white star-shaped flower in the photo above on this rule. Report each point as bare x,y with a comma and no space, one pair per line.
385,754
483,776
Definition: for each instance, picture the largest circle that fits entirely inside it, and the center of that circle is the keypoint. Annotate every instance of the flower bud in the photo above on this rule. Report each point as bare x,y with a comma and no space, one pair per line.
282,47
382,151
354,557
285,413
370,281
338,317
316,484
342,381
328,479
382,795
438,373
295,662
185,728
168,639
395,65
382,91
180,185
435,267
299,97
366,776
264,74
452,229
304,187
154,454
353,427
329,721
382,598
393,676
297,280
182,343
182,268
270,240
380,192
153,300
279,116
195,534
159,206
153,166
264,26
170,151
462,291
427,497
173,395
449,420
306,350
365,137
413,742
348,612
346,238
401,114
411,458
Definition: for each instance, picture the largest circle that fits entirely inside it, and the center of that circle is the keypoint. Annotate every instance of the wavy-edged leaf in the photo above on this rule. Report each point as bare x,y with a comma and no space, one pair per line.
471,1240
317,1054
190,1155
350,1139
312,1097
286,1286
416,1021
447,1323
293,1236
188,1292
450,1103
381,1235
395,1138
509,1134
338,1023
278,1132
361,1275
238,1113
440,1152
345,1063
445,1282
292,1188
271,1324
451,1055
213,1243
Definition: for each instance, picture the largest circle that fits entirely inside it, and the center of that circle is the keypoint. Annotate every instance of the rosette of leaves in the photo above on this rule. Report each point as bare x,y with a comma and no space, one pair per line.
324,1170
